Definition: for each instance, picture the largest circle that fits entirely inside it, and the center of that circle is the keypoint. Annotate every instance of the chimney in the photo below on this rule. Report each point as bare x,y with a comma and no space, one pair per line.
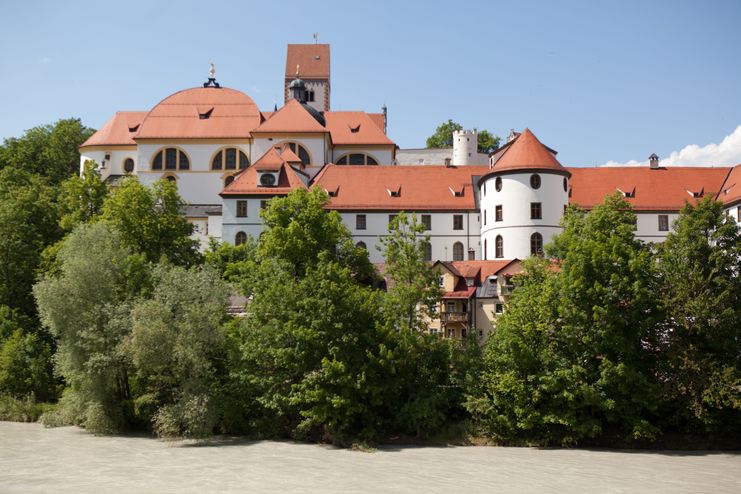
385,118
653,161
447,162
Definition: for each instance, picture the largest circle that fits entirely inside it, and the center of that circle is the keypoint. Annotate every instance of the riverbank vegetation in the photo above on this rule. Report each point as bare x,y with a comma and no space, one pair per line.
108,309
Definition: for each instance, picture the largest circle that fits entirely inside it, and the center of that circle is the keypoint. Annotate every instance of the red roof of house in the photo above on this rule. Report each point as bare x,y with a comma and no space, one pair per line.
420,188
246,182
355,127
731,190
526,152
658,189
378,119
478,269
119,130
313,61
462,293
230,114
292,117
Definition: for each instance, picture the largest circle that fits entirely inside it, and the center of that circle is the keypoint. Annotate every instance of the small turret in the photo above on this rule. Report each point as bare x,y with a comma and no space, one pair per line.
465,147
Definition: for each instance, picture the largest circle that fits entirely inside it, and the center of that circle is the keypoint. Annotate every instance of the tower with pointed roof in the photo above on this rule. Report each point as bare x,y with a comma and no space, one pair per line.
313,60
523,197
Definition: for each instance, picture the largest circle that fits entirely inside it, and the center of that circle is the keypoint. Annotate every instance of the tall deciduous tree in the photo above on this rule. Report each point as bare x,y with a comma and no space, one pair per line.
82,197
99,277
700,342
177,347
151,221
568,360
48,150
443,137
413,295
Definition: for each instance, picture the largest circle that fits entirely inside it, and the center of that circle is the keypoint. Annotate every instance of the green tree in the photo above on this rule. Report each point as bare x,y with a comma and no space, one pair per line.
700,341
28,223
51,151
231,260
178,348
567,361
150,220
25,366
443,137
82,197
412,298
99,278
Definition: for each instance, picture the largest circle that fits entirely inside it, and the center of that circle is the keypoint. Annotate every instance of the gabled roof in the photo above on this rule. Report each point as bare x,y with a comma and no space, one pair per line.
662,189
421,188
730,193
201,113
313,60
526,152
119,130
481,270
246,182
355,127
292,117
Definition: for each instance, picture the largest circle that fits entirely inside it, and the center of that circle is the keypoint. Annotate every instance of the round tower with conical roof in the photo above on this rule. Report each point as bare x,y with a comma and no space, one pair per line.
522,199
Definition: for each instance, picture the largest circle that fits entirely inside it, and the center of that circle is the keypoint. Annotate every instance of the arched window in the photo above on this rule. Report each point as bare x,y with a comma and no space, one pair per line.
427,251
536,244
499,247
357,159
457,251
170,159
300,151
240,238
228,180
535,181
498,183
230,159
128,165
362,245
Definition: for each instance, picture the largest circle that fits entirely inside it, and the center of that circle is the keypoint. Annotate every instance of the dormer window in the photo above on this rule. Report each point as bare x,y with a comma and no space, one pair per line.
469,281
696,194
628,193
333,192
204,114
268,179
394,191
457,191
355,128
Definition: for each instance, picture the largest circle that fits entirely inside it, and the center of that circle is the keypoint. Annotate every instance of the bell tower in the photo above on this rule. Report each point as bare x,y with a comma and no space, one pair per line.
314,62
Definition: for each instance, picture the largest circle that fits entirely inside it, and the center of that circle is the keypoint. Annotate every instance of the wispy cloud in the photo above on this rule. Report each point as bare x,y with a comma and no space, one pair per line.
728,152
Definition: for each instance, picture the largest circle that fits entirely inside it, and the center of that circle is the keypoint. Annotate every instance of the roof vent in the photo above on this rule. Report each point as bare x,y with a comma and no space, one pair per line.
134,128
627,193
697,194
395,191
203,115
653,161
457,192
333,192
355,128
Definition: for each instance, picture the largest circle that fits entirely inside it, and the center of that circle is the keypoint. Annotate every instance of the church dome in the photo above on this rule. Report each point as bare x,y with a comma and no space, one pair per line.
202,113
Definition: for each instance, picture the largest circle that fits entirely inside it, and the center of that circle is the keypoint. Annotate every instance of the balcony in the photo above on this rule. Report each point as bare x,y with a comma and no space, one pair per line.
455,317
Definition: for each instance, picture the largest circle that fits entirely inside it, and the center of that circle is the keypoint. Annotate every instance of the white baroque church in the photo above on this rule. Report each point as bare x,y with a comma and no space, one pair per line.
228,158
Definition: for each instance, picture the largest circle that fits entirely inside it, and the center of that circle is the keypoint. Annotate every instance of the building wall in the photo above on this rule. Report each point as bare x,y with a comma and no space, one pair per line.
199,184
516,227
647,226
442,235
383,155
314,144
113,166
251,224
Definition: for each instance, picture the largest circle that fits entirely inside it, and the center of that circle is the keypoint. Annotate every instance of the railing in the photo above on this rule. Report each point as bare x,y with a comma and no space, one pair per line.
455,316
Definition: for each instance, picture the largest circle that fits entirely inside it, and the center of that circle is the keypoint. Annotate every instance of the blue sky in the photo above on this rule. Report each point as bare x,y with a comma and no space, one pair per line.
598,81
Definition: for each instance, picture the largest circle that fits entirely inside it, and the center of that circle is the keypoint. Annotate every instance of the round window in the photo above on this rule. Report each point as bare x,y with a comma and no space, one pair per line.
267,180
498,184
565,184
535,181
128,165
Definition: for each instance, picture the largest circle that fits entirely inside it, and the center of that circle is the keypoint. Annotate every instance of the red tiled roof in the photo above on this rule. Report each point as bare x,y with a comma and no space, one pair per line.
659,189
246,181
231,114
464,293
422,188
292,117
355,127
377,119
478,269
526,152
119,130
313,61
731,190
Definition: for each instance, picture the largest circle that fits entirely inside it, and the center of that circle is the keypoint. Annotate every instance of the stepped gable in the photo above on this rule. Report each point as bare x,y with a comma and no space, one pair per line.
355,128
526,152
292,117
646,189
312,59
119,130
202,113
246,182
397,188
